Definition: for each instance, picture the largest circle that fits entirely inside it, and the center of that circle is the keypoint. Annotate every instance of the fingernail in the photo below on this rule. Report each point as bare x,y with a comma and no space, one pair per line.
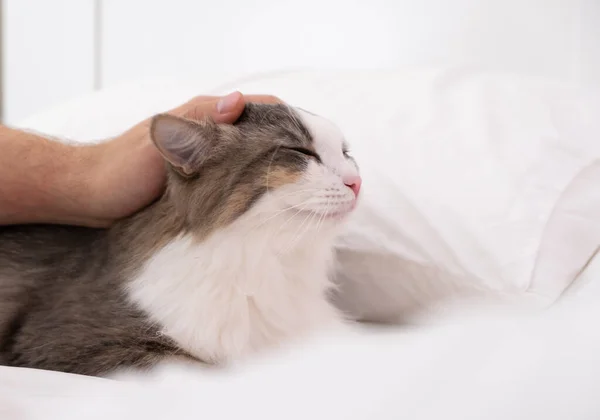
227,103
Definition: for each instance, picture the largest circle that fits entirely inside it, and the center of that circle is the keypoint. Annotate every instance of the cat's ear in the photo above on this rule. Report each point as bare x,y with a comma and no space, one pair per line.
183,143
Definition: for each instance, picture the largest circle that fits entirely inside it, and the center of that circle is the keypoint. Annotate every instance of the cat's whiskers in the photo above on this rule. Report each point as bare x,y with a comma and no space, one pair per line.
268,243
247,291
280,197
262,222
297,192
299,232
322,218
314,215
291,217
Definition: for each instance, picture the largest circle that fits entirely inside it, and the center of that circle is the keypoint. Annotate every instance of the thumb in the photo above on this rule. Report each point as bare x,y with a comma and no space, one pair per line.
226,109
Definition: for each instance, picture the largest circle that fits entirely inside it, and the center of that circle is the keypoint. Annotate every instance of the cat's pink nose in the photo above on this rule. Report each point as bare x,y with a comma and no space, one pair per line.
354,183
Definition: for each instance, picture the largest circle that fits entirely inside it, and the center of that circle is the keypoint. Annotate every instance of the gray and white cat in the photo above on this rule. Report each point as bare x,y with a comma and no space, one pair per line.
234,258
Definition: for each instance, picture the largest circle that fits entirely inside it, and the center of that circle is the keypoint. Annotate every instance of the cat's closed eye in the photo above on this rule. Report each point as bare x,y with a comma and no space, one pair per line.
306,152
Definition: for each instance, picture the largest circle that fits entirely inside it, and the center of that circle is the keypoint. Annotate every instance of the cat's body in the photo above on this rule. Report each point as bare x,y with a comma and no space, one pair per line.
234,257
67,309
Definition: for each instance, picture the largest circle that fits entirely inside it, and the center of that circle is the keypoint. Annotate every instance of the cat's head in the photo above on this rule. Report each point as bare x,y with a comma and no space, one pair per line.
277,168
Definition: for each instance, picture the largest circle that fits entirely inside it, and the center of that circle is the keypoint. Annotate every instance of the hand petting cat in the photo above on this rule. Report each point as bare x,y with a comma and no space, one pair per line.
129,170
43,181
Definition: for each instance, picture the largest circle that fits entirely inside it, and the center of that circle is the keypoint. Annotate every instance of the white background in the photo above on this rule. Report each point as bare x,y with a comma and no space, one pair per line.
56,50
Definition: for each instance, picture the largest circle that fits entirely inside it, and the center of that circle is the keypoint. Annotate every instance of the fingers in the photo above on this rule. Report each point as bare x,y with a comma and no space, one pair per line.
221,109
263,99
228,108
225,109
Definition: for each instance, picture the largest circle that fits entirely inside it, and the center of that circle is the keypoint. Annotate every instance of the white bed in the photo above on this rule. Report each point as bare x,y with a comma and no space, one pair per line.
497,368
417,241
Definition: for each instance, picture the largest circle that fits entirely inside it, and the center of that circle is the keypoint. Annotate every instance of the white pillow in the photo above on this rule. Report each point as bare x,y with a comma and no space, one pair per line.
474,183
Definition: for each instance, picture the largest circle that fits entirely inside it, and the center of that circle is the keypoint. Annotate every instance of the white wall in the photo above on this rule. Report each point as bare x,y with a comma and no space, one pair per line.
51,53
588,60
48,49
531,36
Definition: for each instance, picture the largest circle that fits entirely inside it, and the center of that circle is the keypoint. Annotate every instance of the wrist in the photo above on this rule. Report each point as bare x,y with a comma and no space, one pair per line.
66,194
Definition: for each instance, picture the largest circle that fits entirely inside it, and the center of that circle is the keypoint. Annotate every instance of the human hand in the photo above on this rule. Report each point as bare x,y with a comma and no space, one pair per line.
128,173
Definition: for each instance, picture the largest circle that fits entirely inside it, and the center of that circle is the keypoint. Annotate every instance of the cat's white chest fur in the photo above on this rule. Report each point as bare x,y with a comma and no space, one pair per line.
226,297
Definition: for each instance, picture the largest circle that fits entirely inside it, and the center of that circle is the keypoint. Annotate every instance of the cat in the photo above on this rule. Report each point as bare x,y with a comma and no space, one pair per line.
235,257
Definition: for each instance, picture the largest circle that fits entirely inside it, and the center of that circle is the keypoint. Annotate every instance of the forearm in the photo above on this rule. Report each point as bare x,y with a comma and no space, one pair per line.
41,181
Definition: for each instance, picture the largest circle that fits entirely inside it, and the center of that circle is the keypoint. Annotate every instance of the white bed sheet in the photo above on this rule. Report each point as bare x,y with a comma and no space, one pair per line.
500,366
